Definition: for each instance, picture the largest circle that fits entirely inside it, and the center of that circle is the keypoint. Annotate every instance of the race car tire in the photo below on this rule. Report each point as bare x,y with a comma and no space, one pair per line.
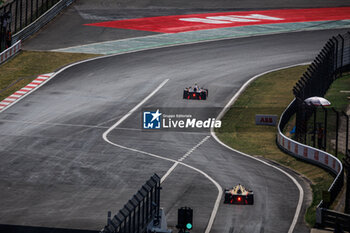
227,197
185,94
204,96
250,199
207,92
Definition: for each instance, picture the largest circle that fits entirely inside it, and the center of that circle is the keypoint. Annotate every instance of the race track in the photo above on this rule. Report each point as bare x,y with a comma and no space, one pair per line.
57,170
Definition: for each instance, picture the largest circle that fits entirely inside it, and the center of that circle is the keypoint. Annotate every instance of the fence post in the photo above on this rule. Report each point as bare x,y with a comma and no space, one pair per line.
342,54
31,10
143,210
347,132
125,217
319,217
37,8
129,218
325,128
315,114
335,55
138,213
109,214
26,13
20,15
305,112
347,172
336,134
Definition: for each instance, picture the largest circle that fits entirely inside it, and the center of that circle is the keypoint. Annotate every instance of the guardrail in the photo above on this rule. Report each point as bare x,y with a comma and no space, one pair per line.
139,210
333,219
21,18
311,155
10,52
331,62
42,20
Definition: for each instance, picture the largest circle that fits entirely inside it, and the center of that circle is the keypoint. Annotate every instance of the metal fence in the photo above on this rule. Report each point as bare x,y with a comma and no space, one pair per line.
333,219
315,124
18,14
324,128
139,211
330,64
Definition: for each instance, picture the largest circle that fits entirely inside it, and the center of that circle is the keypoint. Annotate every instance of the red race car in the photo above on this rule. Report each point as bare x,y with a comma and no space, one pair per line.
195,92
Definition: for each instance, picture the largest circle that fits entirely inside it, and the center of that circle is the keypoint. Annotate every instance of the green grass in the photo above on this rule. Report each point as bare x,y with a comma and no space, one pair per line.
270,94
339,99
27,65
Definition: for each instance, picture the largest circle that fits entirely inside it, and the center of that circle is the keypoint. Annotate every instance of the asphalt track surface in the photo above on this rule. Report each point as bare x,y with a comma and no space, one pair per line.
56,170
67,30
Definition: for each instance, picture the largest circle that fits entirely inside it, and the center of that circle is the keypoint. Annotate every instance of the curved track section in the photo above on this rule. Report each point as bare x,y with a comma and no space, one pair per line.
68,30
56,170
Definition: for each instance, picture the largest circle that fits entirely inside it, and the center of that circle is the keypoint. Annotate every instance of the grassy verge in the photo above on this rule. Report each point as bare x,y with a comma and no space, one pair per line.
27,65
270,94
338,92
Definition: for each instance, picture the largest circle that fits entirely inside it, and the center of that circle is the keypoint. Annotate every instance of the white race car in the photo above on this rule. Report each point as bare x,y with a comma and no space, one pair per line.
239,195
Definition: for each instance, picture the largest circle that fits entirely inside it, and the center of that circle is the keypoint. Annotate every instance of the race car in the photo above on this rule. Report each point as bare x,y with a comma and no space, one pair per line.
195,92
239,195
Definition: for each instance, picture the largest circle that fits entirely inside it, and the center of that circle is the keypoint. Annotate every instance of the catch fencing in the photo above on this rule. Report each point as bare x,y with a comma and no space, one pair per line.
139,211
21,18
330,64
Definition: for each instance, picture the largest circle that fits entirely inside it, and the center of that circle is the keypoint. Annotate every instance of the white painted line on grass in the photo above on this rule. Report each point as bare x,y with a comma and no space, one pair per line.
221,114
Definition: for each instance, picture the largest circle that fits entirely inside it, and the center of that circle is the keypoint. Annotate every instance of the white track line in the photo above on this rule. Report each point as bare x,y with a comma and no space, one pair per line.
105,137
194,148
221,114
183,158
211,221
169,172
134,109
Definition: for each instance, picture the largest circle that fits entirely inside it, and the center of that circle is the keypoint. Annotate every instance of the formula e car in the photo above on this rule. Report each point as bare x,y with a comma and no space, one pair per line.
239,195
195,92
